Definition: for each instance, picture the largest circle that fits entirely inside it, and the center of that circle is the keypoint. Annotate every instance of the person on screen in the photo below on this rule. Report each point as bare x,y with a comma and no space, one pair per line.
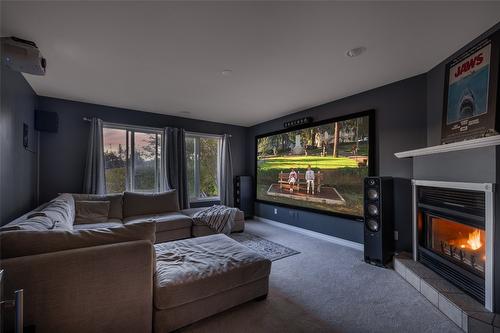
292,179
310,179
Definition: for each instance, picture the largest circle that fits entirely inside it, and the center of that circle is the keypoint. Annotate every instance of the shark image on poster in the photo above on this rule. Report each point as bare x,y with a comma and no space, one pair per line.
468,87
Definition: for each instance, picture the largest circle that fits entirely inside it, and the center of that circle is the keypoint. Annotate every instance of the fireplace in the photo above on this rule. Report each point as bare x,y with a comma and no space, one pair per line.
457,242
452,234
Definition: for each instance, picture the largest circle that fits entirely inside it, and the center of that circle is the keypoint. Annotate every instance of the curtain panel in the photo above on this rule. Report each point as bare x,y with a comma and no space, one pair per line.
173,164
94,181
226,173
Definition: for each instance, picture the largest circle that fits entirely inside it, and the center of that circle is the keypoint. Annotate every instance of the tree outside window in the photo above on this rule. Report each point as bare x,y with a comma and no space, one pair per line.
202,159
132,159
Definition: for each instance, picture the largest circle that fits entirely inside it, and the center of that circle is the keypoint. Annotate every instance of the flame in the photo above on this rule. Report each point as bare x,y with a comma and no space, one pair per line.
474,240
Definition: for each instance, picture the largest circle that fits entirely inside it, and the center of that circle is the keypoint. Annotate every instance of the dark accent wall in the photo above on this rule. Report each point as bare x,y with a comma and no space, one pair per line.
480,165
435,89
17,165
400,125
63,153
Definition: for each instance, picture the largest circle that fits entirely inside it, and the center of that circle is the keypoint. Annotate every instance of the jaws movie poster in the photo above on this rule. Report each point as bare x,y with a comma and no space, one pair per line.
466,114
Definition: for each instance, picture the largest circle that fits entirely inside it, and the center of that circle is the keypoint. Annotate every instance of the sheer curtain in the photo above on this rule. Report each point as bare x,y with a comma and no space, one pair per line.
94,181
173,164
226,173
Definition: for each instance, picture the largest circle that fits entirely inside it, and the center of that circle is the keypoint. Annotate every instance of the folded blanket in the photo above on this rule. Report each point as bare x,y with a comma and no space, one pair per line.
218,218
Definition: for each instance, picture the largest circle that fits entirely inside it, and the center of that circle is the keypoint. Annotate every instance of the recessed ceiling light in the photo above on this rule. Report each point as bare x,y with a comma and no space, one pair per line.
354,52
185,112
226,72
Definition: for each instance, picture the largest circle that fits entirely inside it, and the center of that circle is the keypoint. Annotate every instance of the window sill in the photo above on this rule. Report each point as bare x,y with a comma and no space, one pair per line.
204,199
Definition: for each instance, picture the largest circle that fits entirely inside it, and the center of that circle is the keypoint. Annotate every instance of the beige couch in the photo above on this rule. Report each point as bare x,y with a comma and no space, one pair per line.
104,277
81,281
171,222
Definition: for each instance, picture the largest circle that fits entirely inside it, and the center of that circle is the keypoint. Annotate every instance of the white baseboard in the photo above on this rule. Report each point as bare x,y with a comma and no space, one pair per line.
318,235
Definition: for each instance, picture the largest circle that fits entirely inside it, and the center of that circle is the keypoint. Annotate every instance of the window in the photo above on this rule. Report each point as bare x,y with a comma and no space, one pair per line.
203,156
132,159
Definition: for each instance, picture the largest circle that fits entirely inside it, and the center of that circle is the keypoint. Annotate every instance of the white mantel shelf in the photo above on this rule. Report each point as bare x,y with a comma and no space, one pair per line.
462,145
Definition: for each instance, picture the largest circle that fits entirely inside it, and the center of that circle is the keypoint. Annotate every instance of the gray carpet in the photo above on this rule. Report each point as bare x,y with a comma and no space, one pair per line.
328,288
271,250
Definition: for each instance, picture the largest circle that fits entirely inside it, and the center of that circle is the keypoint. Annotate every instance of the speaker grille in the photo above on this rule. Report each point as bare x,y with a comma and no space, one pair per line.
378,222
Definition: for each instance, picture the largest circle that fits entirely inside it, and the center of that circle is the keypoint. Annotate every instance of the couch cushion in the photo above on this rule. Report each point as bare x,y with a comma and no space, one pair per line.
13,225
61,210
23,243
191,211
57,214
115,202
164,222
110,223
91,211
200,230
33,222
192,269
135,204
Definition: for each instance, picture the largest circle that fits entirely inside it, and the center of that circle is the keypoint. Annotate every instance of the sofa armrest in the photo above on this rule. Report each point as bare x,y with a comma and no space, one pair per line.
104,288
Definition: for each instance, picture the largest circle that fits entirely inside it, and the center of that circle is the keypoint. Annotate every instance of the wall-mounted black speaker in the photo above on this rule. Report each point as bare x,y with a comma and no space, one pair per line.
379,220
46,121
243,194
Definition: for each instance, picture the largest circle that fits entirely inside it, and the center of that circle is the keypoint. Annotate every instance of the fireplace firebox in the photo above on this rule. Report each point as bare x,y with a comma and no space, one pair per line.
457,242
450,234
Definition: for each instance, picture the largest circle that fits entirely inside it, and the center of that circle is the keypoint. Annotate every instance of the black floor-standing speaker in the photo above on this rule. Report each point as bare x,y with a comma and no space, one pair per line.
379,220
243,195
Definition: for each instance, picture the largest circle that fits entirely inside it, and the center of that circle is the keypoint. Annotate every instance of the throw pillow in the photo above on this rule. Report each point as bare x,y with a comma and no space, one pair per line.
89,212
115,202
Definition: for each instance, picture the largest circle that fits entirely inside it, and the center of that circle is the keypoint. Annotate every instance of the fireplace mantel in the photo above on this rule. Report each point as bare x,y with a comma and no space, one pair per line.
462,145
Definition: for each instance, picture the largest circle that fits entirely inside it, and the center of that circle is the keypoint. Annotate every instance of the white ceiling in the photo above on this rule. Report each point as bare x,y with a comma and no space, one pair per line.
167,57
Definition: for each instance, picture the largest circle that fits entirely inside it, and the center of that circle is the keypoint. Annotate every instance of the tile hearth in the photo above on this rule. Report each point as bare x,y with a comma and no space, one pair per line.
462,309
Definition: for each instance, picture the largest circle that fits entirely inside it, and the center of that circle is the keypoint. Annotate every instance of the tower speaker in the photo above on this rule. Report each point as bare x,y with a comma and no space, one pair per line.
243,194
46,121
378,220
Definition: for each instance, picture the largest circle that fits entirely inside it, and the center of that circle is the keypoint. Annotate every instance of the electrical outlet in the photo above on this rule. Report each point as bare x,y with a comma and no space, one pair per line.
396,235
275,211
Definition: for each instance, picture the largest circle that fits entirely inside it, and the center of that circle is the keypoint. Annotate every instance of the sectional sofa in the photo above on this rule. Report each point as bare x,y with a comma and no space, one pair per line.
88,212
90,264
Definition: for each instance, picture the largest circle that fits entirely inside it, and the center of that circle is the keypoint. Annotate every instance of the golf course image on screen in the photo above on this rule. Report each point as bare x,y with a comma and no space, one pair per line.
320,167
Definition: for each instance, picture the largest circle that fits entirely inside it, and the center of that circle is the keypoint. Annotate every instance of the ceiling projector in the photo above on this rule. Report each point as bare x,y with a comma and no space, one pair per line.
22,55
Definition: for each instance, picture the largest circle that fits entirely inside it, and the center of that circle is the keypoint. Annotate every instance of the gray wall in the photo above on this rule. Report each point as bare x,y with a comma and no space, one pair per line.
63,153
475,165
17,165
400,125
435,90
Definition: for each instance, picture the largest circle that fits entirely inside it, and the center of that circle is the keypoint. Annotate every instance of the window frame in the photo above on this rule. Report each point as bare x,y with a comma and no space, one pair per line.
130,131
197,136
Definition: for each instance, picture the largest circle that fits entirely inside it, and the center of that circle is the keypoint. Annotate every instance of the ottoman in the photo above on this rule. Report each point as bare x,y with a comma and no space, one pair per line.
199,277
